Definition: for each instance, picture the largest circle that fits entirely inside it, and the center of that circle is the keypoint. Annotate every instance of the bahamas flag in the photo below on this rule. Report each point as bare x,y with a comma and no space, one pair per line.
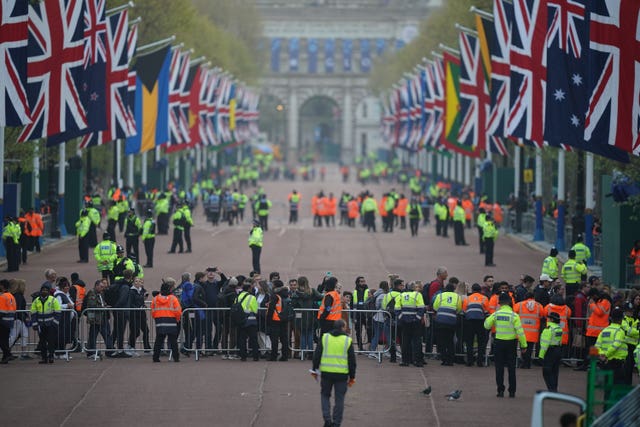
151,102
453,118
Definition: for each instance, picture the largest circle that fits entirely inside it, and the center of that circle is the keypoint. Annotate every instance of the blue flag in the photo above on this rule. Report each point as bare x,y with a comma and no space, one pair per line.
347,48
329,61
312,46
365,56
567,94
380,45
293,54
275,55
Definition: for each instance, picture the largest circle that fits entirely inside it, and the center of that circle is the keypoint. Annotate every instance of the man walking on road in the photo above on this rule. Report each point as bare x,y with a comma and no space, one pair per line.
255,243
336,360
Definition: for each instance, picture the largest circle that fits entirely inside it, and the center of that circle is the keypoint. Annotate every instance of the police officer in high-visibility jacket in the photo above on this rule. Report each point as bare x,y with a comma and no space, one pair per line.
447,305
256,237
411,307
551,351
178,220
149,237
250,328
105,255
583,253
82,231
294,204
45,314
489,236
331,306
7,317
612,347
572,271
166,311
336,360
508,332
550,264
632,334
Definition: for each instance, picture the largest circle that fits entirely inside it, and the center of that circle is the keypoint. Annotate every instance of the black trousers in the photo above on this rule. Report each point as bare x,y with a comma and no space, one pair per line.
488,251
505,356
177,240
187,237
438,227
279,331
551,367
4,342
458,232
293,216
111,229
629,365
327,383
119,325
12,252
212,320
264,222
444,338
370,221
250,333
413,224
163,223
255,257
173,344
149,244
474,330
133,247
48,341
102,329
360,321
138,324
527,355
480,241
83,248
412,343
444,224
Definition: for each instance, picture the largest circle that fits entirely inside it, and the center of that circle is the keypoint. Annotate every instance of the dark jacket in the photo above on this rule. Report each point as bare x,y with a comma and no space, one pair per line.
137,297
212,290
283,292
21,304
123,294
351,357
305,319
94,300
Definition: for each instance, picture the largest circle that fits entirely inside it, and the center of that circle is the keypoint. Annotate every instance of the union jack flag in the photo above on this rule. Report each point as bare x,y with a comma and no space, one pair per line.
14,35
474,95
55,66
614,88
499,43
405,114
528,71
178,122
429,105
567,94
120,120
416,113
95,28
254,114
386,120
439,102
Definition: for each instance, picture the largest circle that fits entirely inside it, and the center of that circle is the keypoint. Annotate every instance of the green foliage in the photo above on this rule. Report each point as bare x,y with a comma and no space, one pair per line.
438,28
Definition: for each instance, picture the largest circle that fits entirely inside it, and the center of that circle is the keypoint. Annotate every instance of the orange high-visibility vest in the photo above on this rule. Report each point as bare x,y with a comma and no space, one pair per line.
598,313
332,206
352,206
565,313
335,309
277,310
401,209
80,292
530,312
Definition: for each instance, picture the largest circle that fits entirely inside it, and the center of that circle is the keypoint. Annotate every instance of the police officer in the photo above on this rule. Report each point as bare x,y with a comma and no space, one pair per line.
551,351
447,306
612,347
249,330
149,237
572,271
162,213
187,223
121,263
508,332
11,241
262,207
336,361
632,335
459,219
82,231
489,236
414,212
94,216
550,264
412,309
133,227
255,244
294,202
105,254
112,219
583,253
178,226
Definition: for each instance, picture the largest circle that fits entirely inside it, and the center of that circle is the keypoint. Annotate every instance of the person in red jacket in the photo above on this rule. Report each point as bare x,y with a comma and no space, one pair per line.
166,311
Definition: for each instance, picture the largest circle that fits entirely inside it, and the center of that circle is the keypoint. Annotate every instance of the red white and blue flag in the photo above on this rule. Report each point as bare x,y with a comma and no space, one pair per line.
14,36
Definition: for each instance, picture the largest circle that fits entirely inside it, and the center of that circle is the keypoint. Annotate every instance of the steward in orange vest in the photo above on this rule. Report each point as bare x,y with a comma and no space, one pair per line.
530,312
278,324
331,307
558,305
166,311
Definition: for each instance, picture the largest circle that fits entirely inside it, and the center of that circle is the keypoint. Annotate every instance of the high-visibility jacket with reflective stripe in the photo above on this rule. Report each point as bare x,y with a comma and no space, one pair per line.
45,313
356,301
551,337
508,326
277,309
250,306
550,267
335,311
475,306
255,237
565,313
105,255
447,306
598,313
630,327
411,306
80,294
390,296
166,311
7,309
530,312
610,342
572,270
582,251
335,354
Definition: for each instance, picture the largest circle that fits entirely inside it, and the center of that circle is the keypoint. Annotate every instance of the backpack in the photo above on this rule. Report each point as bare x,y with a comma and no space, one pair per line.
111,294
370,303
237,316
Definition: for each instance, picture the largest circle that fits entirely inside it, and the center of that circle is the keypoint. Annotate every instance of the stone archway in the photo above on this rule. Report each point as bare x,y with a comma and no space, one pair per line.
320,129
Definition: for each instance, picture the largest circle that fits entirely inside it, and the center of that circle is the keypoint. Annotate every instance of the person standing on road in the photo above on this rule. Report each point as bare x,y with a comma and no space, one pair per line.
166,311
7,318
188,223
133,228
256,238
178,227
149,237
335,359
508,332
45,313
551,351
294,204
331,306
489,235
249,330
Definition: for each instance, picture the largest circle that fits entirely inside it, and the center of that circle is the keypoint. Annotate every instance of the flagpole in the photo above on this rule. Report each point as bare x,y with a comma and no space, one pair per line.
2,182
589,204
449,49
130,171
61,183
466,29
36,176
144,170
460,168
152,47
481,12
516,185
561,204
467,170
118,163
119,8
538,234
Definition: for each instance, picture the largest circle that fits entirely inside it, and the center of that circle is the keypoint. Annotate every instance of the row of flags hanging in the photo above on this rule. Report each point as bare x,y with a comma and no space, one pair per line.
73,72
560,73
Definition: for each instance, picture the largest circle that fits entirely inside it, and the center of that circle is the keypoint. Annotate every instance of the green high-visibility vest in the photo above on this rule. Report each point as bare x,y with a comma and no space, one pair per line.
335,354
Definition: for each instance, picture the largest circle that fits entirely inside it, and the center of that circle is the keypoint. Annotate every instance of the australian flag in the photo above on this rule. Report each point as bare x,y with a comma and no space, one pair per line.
567,95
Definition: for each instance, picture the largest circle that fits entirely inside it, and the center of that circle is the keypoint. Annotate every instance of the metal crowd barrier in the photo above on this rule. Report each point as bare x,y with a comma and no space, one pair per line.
24,340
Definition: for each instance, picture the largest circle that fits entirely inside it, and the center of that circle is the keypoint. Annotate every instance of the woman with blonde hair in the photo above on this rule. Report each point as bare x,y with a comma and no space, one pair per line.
20,328
305,299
